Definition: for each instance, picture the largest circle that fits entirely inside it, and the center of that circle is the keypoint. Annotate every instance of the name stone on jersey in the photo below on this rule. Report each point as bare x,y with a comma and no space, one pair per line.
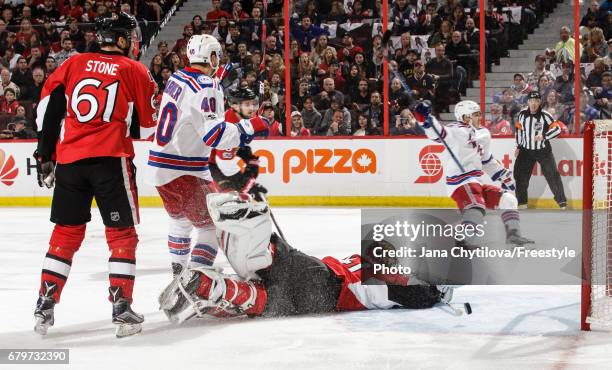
102,67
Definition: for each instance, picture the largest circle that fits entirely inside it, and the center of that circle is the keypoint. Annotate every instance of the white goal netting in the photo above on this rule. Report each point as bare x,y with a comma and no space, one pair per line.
601,232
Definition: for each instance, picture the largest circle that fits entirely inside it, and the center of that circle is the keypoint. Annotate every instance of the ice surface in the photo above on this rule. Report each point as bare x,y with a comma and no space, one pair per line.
512,326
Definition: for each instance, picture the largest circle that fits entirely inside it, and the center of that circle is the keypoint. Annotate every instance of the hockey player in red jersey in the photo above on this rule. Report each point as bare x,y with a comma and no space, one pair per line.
242,105
274,279
85,115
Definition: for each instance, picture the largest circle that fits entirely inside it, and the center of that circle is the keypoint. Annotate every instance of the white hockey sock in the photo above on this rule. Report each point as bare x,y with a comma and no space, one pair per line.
205,250
510,216
179,240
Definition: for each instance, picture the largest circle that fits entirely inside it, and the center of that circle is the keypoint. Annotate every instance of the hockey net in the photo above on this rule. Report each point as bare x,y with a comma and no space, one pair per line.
597,225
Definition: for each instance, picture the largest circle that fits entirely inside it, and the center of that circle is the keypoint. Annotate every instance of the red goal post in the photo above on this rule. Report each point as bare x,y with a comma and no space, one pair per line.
596,306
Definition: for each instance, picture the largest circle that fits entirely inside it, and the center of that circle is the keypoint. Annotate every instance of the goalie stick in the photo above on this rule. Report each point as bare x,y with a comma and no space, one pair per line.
456,309
280,232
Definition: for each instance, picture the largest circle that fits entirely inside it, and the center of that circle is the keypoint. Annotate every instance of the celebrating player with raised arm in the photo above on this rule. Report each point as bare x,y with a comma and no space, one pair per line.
468,146
85,113
191,125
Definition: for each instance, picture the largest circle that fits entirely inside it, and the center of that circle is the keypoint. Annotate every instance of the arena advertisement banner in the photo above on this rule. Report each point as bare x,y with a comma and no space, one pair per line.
340,171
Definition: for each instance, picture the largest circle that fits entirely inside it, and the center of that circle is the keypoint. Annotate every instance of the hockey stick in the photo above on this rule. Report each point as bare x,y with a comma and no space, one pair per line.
457,309
280,232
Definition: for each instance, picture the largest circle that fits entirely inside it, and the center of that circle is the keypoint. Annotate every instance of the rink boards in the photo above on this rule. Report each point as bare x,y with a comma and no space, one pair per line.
332,172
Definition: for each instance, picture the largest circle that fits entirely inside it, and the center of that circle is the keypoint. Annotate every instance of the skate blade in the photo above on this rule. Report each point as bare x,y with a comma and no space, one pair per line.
40,327
125,330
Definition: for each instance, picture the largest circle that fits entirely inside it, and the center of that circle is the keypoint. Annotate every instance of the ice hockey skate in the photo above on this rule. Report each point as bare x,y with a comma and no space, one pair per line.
43,313
128,322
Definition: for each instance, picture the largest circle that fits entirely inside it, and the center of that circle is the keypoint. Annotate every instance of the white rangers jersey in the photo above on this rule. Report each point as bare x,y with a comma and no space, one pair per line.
191,122
472,149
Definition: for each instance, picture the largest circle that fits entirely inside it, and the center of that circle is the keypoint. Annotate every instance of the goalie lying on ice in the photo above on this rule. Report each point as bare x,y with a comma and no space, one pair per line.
274,279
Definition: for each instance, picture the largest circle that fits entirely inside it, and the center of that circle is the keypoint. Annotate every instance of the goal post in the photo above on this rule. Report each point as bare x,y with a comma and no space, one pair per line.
596,306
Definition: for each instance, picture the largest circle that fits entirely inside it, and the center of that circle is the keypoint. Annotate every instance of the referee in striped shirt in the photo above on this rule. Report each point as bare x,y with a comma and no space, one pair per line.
534,130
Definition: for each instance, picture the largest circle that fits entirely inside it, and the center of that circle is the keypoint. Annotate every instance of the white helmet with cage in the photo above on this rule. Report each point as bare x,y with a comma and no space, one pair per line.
466,108
201,47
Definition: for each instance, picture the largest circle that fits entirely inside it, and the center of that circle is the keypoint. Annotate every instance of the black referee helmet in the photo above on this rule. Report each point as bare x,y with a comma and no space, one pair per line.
534,95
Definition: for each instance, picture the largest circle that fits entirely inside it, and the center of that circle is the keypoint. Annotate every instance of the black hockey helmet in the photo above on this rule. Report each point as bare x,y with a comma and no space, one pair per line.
109,29
241,94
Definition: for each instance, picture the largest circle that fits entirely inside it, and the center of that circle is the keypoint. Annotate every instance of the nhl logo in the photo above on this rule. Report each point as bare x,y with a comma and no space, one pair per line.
202,79
114,216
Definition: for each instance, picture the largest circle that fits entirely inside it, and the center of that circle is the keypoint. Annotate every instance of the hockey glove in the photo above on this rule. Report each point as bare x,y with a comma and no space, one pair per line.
506,179
251,161
258,191
45,170
249,128
422,111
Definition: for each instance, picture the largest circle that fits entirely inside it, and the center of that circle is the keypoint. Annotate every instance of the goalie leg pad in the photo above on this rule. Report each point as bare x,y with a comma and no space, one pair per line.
221,295
64,243
244,228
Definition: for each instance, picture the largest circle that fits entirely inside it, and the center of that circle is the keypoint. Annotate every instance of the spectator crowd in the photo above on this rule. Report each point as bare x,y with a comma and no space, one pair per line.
37,36
336,58
553,76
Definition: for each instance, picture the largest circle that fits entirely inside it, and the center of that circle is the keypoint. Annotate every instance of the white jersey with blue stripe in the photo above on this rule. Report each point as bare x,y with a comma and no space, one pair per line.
191,122
471,148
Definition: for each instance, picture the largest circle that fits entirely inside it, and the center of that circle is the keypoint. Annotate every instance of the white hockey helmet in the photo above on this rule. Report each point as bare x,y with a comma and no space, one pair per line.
201,47
466,108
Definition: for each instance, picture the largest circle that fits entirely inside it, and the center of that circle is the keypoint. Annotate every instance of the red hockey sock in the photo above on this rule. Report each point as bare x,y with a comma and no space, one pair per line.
65,241
122,243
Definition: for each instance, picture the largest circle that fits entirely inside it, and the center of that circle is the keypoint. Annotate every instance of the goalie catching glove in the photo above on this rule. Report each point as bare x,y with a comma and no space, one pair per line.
242,182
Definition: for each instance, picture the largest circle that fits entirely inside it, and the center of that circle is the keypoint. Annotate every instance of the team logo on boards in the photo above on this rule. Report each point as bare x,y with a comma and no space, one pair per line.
431,165
8,171
318,161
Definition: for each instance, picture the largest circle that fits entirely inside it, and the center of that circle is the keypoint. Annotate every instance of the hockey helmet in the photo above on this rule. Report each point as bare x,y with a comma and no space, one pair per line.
466,108
109,29
201,47
241,94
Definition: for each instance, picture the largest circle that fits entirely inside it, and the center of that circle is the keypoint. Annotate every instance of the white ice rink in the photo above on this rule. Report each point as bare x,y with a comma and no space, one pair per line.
512,326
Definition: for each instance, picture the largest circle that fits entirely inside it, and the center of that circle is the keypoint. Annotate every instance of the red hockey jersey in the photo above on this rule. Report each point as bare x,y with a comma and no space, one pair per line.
354,295
96,96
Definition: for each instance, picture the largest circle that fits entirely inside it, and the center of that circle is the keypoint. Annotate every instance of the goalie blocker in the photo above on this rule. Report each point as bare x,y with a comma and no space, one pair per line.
275,279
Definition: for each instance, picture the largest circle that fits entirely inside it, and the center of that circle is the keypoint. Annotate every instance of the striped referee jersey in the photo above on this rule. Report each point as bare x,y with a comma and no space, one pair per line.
528,126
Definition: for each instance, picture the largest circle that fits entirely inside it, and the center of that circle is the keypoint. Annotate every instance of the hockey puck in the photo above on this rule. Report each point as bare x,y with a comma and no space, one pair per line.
468,308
